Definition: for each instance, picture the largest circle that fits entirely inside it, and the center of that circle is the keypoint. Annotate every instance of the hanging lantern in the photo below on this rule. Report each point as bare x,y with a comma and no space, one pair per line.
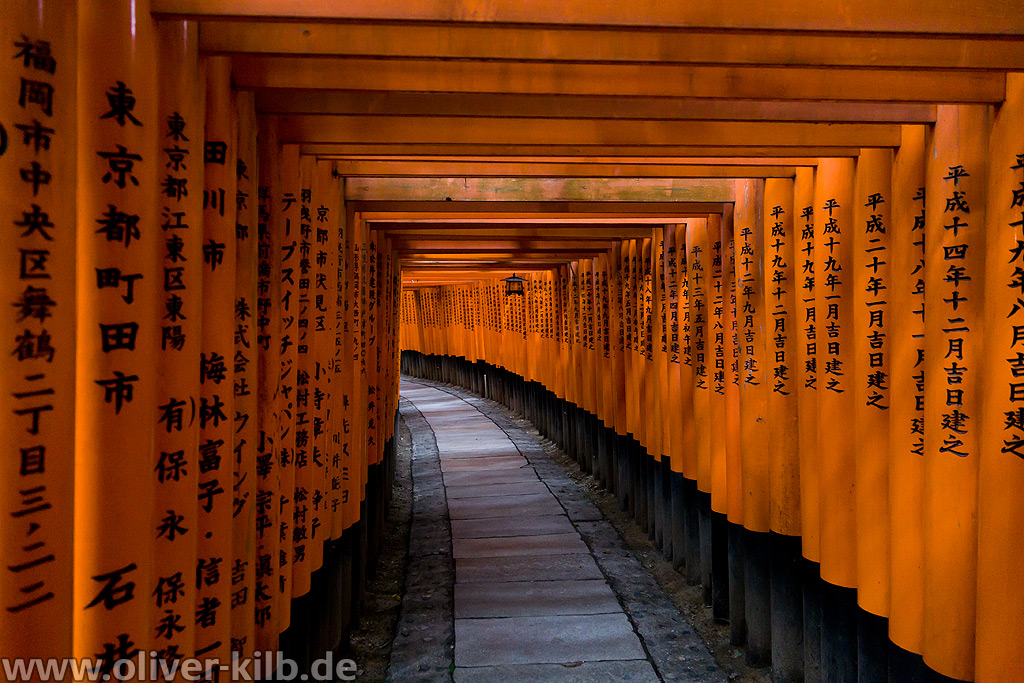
514,285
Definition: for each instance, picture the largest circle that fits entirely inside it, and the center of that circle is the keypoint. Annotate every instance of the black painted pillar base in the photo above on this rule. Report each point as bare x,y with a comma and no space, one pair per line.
359,567
719,567
604,467
580,451
655,514
787,610
373,520
905,666
811,579
691,526
319,621
295,639
758,591
337,627
348,553
570,429
737,587
678,524
666,509
838,634
872,648
624,486
704,531
643,503
633,474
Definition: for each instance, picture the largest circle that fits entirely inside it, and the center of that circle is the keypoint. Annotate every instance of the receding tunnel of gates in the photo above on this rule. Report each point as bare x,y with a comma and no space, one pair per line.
445,243
787,337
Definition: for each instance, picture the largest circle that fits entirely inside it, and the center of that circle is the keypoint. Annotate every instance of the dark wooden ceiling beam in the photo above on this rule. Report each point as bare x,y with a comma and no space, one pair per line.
583,152
317,128
528,169
616,45
636,80
378,103
995,17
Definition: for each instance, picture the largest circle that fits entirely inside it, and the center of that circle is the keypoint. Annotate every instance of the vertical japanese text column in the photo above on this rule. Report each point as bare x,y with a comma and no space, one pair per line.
244,491
733,378
748,225
955,199
718,335
349,372
806,333
307,495
289,256
780,287
680,394
322,250
180,174
118,333
216,369
871,288
328,301
37,211
906,411
833,250
697,273
268,377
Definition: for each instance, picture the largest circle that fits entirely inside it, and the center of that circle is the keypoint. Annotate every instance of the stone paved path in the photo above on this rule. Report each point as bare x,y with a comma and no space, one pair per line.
540,579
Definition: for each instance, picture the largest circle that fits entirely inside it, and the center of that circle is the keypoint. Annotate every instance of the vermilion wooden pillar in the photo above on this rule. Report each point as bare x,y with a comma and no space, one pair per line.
1001,467
872,368
698,270
246,435
955,197
216,370
37,273
181,132
328,301
267,327
304,269
834,277
807,370
119,331
715,478
780,293
906,412
288,198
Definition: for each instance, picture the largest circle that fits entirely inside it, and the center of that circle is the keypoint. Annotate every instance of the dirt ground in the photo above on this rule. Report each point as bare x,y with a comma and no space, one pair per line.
371,642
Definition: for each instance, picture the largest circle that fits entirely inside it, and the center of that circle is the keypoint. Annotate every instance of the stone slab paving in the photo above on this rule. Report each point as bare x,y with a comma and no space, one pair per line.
514,546
540,589
511,526
534,598
545,640
520,507
516,475
482,490
635,671
499,462
580,566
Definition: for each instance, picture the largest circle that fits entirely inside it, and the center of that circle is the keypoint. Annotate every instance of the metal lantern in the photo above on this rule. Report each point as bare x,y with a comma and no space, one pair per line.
514,285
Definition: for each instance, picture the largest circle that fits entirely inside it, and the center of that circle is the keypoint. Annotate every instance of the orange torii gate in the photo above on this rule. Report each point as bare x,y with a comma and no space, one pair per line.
772,302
